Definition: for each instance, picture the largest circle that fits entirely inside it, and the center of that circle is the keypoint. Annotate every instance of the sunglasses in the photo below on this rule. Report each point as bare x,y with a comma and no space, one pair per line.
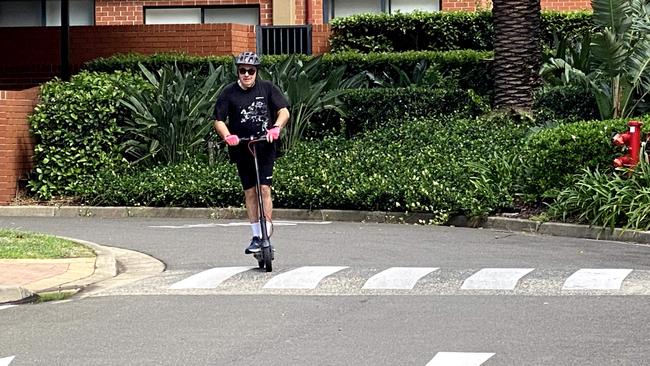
243,71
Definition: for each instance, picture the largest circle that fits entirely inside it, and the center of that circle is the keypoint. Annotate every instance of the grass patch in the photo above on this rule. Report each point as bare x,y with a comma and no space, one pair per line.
16,244
54,296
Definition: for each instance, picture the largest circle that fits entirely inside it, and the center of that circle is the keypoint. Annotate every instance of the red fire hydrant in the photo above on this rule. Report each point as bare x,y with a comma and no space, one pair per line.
632,141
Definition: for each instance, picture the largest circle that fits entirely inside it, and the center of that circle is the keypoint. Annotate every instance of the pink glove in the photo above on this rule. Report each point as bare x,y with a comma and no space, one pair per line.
232,140
273,134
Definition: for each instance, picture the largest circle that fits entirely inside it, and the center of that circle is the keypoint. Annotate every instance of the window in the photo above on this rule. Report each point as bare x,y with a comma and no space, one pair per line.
342,8
82,12
37,13
197,15
407,6
233,15
173,16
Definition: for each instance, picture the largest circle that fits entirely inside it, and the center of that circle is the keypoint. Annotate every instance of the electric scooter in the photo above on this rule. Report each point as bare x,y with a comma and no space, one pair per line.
266,255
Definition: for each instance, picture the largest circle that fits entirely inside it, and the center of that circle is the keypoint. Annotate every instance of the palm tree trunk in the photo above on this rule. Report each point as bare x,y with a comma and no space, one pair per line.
517,52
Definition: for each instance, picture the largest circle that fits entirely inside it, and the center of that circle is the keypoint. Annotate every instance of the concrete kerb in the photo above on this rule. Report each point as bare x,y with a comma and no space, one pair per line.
567,230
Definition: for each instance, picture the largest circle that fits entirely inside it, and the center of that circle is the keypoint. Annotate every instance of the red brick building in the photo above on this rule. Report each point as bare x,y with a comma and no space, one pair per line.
31,37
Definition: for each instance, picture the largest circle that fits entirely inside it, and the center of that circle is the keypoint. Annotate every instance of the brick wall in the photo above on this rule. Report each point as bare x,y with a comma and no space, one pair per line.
16,144
88,43
320,34
34,56
130,12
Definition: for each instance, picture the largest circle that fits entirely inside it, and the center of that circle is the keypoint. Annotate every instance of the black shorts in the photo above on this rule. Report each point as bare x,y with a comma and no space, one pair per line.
246,169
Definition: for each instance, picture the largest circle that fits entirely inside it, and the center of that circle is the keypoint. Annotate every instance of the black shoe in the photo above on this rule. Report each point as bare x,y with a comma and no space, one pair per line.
255,246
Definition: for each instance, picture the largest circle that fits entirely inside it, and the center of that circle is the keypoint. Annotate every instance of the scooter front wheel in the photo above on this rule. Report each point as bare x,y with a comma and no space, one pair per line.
267,258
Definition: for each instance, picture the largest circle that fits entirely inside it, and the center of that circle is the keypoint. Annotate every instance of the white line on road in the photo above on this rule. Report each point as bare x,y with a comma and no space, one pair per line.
242,223
302,278
495,279
596,279
209,279
459,359
6,361
2,307
397,278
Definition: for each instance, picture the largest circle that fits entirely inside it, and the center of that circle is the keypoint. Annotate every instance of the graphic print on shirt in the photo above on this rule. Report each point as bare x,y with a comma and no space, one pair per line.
256,115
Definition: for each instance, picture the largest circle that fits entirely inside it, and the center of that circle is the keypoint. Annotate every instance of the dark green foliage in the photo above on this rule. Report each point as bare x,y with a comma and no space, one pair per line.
438,31
412,32
558,104
171,119
559,24
192,183
467,69
422,166
552,156
368,109
612,199
130,62
76,126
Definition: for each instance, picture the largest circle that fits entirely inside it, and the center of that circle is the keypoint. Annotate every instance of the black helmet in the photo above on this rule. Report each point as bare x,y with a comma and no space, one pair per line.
248,58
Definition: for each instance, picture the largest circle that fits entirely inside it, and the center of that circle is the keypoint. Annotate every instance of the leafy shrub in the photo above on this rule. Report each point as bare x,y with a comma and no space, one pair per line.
367,109
422,166
439,31
413,31
191,183
552,156
607,199
308,92
171,119
467,69
557,104
76,126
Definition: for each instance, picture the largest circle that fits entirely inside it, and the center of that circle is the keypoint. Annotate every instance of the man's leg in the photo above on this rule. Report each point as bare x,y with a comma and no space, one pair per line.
252,203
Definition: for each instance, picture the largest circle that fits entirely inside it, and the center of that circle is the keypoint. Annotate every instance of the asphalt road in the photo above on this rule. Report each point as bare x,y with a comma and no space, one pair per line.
436,322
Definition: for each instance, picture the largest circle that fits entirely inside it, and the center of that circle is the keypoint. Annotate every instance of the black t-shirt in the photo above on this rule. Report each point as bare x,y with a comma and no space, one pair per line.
249,112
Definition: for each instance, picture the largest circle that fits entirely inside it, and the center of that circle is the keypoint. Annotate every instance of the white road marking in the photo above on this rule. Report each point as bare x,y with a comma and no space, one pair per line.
6,361
495,279
459,359
2,307
242,223
302,278
397,278
210,278
596,279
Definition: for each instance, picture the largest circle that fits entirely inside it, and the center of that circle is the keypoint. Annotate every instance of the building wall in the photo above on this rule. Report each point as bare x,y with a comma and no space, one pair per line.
35,50
16,144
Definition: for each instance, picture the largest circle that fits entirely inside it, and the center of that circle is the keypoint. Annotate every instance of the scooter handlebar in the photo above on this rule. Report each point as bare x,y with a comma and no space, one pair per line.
253,139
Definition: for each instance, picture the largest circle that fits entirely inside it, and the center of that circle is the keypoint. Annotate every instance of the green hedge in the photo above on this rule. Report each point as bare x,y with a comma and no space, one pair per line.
76,126
552,156
368,109
471,69
566,103
422,166
185,62
437,31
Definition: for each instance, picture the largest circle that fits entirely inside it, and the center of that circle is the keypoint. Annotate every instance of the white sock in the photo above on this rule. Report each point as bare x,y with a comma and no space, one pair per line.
257,230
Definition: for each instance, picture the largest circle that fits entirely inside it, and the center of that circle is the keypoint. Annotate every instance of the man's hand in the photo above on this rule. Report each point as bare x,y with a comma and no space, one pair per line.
232,140
273,134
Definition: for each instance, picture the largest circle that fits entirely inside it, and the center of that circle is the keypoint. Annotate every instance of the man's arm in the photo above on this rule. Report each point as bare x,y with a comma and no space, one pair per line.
222,129
282,118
